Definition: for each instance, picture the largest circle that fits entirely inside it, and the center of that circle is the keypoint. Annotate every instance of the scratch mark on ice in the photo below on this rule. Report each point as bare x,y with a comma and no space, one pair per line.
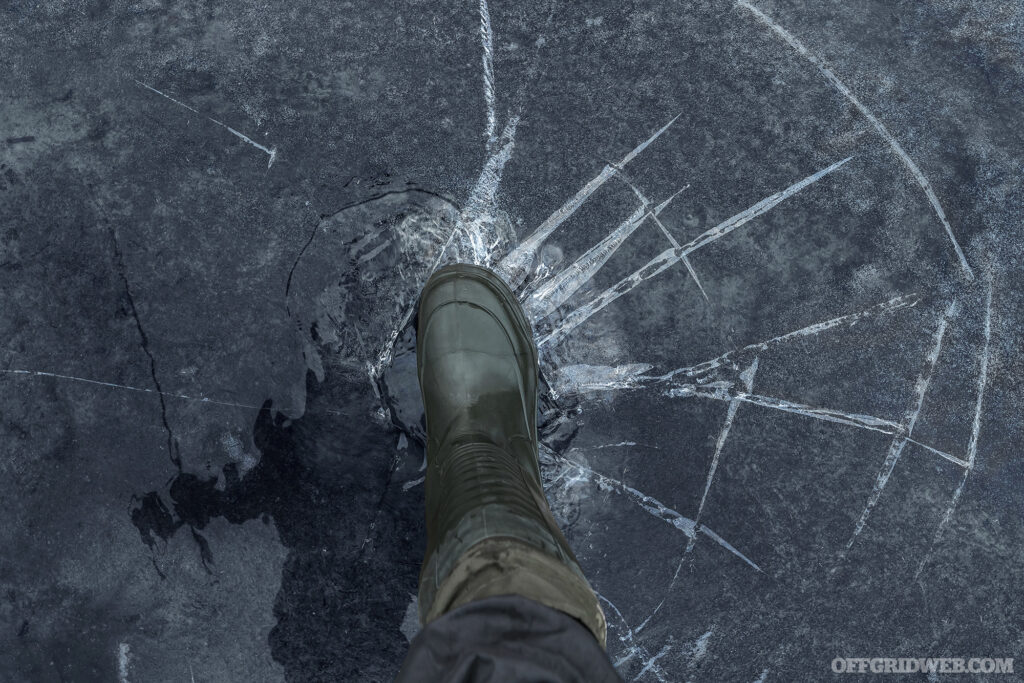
184,397
124,657
162,94
892,457
909,163
272,153
972,446
515,266
672,256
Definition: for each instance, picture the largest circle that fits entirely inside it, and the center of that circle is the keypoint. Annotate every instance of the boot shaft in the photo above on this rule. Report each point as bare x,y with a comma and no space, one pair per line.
489,528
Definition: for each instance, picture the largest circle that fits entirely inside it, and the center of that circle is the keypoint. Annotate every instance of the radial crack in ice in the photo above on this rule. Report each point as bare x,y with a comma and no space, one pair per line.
761,207
581,378
480,235
748,380
516,265
892,456
621,175
849,320
747,376
685,259
574,379
376,368
487,43
476,235
869,422
559,288
629,640
859,420
652,506
897,149
972,445
672,256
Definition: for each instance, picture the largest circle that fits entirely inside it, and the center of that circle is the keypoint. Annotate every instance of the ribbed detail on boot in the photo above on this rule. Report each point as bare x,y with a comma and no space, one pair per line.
477,474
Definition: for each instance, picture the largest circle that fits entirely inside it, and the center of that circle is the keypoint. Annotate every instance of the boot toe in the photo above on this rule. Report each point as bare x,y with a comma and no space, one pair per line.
475,353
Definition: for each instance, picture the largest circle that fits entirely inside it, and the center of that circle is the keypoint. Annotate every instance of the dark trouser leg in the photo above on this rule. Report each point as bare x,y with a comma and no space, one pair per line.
506,638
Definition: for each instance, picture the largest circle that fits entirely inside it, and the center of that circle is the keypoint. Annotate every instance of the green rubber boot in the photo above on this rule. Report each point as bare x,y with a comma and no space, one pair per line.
489,528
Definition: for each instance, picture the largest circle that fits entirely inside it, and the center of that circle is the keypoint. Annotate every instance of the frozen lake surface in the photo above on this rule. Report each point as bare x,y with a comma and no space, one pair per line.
772,255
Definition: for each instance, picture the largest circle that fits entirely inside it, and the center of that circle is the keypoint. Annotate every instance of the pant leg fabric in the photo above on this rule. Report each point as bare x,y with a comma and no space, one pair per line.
508,638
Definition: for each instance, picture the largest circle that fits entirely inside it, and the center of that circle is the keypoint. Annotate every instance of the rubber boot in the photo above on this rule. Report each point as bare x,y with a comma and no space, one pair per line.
489,528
